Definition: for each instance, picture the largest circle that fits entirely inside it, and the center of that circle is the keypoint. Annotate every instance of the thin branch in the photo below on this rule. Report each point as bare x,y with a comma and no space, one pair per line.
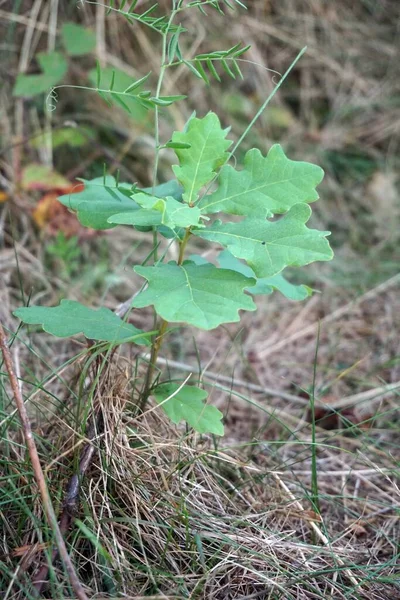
71,500
37,469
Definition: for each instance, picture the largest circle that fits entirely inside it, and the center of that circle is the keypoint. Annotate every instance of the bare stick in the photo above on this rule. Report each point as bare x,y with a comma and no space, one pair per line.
71,501
37,469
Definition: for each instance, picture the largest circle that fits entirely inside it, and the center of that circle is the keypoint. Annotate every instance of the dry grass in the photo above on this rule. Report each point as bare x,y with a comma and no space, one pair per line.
264,512
181,516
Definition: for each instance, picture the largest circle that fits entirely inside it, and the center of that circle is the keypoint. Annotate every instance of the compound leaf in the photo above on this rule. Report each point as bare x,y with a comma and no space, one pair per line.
53,65
201,295
268,247
266,186
159,211
70,318
121,81
264,285
187,405
207,152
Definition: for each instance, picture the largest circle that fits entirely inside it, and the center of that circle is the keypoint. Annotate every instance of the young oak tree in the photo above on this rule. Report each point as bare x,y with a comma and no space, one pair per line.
257,246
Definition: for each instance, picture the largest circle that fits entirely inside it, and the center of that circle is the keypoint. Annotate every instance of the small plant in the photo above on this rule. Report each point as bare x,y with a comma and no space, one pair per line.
191,290
66,252
76,41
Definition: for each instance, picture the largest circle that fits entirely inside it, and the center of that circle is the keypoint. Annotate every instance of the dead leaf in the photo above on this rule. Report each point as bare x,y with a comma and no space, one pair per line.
358,529
52,217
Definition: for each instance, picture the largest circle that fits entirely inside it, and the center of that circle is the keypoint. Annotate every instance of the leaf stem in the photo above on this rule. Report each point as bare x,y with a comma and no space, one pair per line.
183,245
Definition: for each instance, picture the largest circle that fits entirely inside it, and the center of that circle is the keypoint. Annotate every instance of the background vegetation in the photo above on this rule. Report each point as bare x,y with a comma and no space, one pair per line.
299,499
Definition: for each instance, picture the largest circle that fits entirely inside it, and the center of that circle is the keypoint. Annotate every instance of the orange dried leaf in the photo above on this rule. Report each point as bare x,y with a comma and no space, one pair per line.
358,529
306,515
52,216
42,213
22,550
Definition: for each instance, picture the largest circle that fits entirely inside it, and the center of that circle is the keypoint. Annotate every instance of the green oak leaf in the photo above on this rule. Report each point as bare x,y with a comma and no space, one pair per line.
265,285
203,296
102,198
53,65
168,188
159,211
282,285
206,153
266,186
187,405
70,318
268,247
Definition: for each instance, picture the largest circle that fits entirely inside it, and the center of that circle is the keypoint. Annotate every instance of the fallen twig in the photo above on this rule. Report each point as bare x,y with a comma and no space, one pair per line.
37,470
71,501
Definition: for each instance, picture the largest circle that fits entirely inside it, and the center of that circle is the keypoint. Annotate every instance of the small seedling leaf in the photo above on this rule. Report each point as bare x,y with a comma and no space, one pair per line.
53,65
118,99
192,68
227,69
186,403
77,40
202,72
207,152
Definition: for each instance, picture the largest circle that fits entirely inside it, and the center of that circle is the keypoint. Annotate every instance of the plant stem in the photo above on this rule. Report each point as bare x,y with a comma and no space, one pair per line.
38,471
156,346
183,245
267,101
155,349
